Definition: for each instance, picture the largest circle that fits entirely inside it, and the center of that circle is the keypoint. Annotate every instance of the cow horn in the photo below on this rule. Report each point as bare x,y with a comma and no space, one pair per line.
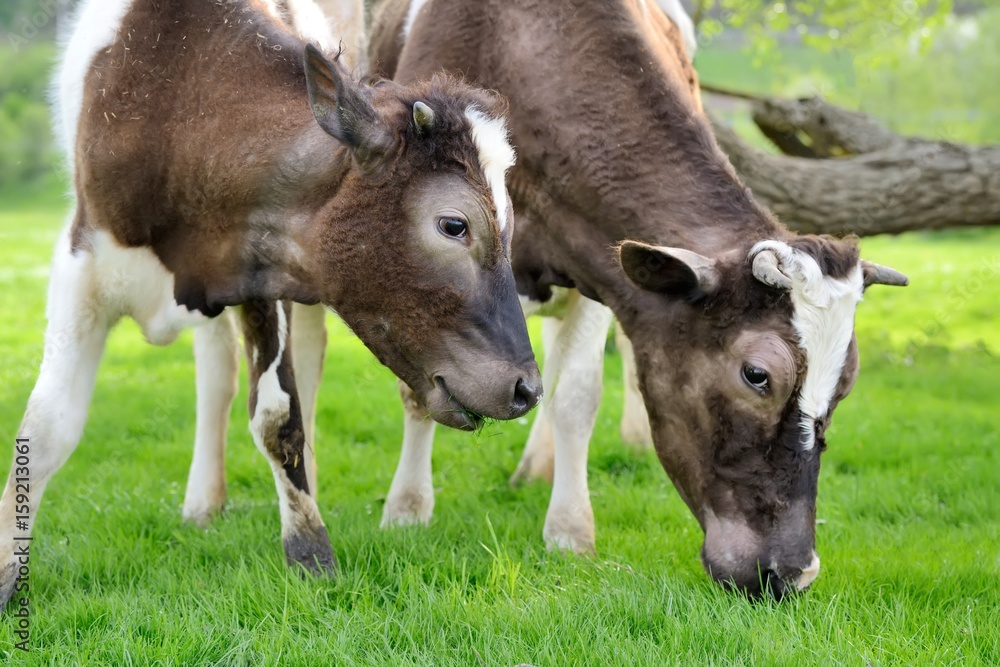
876,274
765,269
423,117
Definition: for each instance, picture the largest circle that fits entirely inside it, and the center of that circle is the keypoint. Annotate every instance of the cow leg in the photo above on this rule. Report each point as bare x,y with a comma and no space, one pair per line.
78,325
536,461
571,405
276,425
216,355
308,353
411,496
635,420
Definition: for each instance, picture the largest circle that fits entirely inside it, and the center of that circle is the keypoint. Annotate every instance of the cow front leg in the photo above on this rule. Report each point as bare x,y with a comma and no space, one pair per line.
634,429
277,429
571,406
78,324
539,452
411,496
308,353
216,355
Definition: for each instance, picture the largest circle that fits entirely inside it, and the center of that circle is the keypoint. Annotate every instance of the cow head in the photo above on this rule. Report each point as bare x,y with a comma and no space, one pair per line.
416,248
742,359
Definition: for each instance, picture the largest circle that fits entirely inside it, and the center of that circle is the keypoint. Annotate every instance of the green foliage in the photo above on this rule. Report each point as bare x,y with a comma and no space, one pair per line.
27,150
943,89
909,508
946,87
824,26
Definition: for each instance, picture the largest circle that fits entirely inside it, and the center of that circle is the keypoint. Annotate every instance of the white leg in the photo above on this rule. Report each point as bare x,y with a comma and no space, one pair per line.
308,353
216,355
571,405
635,421
411,496
78,326
539,452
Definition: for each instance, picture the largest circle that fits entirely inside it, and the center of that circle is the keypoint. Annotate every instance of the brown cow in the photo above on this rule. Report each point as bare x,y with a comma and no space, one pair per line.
742,331
219,161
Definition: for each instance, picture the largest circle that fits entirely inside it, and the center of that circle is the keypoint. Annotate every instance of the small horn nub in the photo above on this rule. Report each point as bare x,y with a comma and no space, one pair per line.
765,269
423,117
876,274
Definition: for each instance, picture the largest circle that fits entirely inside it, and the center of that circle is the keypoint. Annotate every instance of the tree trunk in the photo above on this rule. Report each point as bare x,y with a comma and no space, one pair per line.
843,173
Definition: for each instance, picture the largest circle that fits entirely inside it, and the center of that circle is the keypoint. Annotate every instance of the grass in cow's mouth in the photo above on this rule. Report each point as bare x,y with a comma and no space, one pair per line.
477,419
908,498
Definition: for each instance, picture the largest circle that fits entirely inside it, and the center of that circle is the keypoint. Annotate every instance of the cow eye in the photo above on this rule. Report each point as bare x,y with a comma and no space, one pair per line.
453,227
755,377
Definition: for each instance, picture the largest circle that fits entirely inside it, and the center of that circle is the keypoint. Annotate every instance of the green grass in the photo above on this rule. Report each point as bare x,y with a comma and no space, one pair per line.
908,496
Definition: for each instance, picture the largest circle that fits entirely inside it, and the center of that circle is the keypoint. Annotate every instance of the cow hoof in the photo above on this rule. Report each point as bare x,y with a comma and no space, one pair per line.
532,467
570,543
569,530
203,503
312,550
411,508
200,516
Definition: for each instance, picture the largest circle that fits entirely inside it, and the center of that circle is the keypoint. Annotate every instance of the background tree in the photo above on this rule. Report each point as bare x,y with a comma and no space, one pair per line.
844,172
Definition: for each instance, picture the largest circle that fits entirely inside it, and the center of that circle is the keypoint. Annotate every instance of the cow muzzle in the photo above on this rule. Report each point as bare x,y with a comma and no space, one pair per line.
739,559
763,577
497,391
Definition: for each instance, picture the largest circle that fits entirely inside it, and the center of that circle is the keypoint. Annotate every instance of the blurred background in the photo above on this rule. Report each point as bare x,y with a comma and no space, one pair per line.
920,67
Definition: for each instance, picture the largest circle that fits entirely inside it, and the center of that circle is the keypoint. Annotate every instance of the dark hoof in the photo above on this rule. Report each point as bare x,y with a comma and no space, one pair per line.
311,549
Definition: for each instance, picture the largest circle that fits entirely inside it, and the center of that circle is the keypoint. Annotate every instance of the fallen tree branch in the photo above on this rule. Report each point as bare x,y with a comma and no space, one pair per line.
905,185
812,127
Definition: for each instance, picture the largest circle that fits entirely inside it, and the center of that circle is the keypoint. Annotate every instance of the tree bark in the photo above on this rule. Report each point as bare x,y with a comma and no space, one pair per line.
843,173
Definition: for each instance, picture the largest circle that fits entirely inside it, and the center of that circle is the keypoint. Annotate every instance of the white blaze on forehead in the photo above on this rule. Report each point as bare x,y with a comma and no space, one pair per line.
495,155
411,15
823,317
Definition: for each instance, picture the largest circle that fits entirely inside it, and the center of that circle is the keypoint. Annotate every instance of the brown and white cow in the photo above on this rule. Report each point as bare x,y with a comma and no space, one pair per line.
218,161
742,331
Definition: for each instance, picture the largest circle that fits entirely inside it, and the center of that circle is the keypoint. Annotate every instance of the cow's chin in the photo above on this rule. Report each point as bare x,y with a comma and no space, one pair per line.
445,408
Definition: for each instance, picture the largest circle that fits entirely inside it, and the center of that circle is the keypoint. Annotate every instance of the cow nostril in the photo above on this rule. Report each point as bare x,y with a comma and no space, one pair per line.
526,395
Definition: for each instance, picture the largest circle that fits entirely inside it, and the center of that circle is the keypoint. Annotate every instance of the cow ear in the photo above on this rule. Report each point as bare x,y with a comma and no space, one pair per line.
342,108
669,271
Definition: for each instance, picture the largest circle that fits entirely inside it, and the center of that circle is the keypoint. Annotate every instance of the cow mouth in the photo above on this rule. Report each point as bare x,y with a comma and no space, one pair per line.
445,408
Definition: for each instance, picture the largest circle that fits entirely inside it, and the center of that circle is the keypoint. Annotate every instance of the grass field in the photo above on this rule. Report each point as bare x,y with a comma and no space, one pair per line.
909,502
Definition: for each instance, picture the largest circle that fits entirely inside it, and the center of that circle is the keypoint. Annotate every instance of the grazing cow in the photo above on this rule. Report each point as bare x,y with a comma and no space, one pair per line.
742,331
218,161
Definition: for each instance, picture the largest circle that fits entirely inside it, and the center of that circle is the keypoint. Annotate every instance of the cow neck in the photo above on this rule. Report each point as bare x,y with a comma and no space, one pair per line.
298,208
